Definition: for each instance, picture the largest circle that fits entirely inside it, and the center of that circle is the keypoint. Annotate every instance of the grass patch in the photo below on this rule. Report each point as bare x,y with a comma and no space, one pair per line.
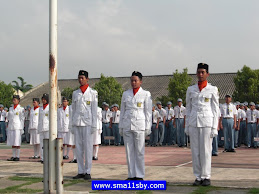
254,191
72,182
204,190
29,179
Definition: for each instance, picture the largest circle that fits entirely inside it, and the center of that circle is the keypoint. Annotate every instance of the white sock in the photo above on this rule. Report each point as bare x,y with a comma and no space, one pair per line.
14,151
74,153
18,153
38,150
96,150
35,150
68,150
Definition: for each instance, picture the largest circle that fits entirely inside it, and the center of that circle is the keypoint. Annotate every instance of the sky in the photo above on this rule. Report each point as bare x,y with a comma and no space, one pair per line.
116,37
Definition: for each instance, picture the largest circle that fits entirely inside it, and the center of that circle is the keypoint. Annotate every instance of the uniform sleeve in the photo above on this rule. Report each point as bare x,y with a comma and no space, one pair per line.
70,118
122,111
235,110
73,106
188,108
215,107
22,117
148,111
94,109
40,121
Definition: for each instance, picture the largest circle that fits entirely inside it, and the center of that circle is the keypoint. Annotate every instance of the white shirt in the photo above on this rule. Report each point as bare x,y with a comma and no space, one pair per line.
251,116
63,119
43,119
116,117
169,113
16,118
242,114
136,110
155,116
99,118
162,114
34,118
179,112
106,116
84,107
228,110
3,115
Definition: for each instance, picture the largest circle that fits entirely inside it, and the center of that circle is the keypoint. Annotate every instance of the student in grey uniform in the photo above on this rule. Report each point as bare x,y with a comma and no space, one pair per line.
135,124
251,121
84,124
15,128
106,116
33,128
155,123
161,125
215,139
202,106
220,133
236,132
26,124
179,122
242,137
115,124
170,131
2,124
228,123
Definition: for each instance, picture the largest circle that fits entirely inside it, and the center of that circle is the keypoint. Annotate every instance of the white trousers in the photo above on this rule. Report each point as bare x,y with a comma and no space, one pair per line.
134,142
43,135
84,149
201,146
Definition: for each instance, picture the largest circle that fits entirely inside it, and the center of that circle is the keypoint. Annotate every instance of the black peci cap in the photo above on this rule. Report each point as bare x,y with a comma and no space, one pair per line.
36,99
203,66
46,97
64,98
83,72
16,96
138,74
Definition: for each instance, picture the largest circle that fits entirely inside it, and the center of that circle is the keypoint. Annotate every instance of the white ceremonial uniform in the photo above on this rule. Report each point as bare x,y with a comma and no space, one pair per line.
84,123
33,126
135,119
98,132
43,128
201,124
63,124
71,135
15,126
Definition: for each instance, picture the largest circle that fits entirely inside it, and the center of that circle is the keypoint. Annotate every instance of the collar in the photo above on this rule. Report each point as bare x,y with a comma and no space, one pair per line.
44,106
135,90
15,106
64,107
35,107
202,84
84,88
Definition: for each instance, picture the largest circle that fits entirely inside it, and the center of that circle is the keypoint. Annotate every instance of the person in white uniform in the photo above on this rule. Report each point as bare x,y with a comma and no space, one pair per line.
106,117
84,124
15,128
63,125
97,134
71,137
161,125
33,128
115,124
251,122
3,115
135,124
202,102
43,128
154,128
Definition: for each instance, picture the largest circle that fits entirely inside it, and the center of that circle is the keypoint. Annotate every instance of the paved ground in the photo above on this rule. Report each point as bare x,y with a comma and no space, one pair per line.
232,172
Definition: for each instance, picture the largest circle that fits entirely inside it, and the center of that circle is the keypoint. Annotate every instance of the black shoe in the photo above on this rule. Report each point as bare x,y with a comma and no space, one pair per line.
225,150
95,158
197,182
41,161
214,154
232,150
206,182
73,161
87,177
10,159
79,176
65,157
138,179
16,159
130,179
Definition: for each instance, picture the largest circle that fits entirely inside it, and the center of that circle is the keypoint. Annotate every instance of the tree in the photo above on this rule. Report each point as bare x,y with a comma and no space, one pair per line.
109,90
177,87
246,85
68,93
6,94
24,87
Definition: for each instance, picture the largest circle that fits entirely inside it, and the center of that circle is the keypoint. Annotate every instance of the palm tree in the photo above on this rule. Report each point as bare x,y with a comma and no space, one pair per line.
24,87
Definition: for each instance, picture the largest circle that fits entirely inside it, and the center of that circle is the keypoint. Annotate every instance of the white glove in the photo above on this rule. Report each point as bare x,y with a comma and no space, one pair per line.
100,131
214,132
147,132
22,131
121,131
186,131
93,129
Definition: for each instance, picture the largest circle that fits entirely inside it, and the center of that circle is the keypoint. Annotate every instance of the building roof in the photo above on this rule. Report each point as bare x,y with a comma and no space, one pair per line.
156,84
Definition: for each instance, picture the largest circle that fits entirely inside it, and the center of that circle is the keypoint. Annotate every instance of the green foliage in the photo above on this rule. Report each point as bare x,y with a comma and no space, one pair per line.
109,90
68,92
177,87
247,85
24,87
6,94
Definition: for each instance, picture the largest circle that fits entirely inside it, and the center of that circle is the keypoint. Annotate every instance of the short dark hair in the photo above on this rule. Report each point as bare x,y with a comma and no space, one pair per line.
138,74
203,66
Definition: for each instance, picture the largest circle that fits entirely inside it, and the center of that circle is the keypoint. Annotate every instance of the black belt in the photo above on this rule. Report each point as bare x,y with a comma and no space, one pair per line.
105,123
2,121
252,123
228,118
